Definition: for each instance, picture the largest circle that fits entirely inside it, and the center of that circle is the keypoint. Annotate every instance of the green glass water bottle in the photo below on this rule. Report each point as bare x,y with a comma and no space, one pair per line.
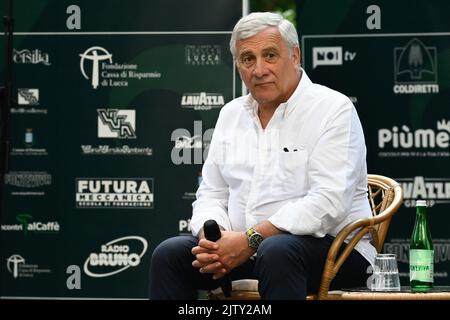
421,253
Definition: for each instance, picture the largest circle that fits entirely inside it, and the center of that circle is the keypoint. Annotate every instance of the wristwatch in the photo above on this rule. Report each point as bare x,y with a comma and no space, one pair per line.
254,238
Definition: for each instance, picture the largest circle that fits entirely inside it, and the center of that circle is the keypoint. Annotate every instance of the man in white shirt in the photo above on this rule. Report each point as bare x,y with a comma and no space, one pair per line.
286,170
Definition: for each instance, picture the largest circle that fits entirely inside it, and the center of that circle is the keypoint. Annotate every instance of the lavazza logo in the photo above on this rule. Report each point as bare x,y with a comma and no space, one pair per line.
190,149
105,73
133,193
415,68
434,190
202,101
405,142
116,256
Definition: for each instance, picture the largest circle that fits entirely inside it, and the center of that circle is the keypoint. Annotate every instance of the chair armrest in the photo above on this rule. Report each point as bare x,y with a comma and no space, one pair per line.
333,264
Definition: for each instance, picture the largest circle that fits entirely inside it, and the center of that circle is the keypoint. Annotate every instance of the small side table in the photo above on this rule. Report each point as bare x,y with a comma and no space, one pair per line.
437,293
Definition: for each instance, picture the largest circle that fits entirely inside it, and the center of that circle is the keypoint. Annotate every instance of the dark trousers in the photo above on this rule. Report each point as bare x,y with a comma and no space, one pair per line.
287,267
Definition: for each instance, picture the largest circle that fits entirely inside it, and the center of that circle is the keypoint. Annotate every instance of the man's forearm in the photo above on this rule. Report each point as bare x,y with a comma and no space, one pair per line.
267,229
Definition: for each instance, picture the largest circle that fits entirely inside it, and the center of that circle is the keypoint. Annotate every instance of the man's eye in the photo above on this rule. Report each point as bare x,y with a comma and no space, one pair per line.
271,56
247,60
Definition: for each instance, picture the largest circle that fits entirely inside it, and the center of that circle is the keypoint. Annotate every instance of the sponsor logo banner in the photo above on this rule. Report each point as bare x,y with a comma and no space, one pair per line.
114,193
96,65
27,225
190,149
415,68
28,180
115,256
202,101
203,55
34,56
115,123
18,268
403,141
434,190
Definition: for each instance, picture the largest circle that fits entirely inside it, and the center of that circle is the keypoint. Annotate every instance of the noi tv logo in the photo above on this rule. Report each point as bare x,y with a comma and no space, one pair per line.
94,54
327,56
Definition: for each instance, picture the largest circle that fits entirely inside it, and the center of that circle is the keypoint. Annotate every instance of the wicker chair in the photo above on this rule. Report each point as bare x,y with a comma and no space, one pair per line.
385,197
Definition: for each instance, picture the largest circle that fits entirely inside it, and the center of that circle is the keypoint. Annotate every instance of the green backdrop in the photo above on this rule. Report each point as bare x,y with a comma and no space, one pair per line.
398,78
109,131
111,124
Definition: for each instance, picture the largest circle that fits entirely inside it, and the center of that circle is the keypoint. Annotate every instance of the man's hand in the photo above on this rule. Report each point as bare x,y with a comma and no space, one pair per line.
220,257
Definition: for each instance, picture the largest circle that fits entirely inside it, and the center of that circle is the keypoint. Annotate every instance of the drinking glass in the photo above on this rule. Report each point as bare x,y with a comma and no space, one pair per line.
385,274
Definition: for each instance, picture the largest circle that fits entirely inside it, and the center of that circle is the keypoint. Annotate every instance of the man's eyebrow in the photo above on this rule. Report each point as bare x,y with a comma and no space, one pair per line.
245,52
271,48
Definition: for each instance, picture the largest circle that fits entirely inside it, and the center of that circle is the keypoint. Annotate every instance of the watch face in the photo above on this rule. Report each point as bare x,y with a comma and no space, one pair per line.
255,240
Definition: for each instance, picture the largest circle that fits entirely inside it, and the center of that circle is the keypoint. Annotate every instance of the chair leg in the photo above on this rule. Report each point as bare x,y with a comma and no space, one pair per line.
327,276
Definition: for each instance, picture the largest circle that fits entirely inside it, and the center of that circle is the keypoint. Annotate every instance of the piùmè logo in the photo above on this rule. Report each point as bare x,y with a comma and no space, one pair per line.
184,227
133,193
116,256
402,141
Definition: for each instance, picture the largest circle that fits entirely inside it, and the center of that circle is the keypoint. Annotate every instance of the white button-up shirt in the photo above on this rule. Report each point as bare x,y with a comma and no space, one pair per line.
305,172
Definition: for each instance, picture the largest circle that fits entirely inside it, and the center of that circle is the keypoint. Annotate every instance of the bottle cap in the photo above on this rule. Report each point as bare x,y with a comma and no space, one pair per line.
421,203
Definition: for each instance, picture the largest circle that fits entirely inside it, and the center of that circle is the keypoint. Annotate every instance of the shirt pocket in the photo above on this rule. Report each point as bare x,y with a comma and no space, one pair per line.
294,170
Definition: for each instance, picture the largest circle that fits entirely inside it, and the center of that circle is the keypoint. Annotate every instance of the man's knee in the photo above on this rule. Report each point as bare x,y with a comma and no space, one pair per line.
285,248
172,249
274,249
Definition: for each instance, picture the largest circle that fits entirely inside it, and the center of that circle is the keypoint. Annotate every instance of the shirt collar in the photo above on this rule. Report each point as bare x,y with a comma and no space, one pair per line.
251,105
292,102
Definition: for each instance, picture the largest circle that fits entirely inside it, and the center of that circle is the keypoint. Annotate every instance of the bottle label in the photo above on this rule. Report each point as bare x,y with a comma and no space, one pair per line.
421,265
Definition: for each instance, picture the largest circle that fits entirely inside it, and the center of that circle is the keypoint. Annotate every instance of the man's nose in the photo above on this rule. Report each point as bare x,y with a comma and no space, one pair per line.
259,69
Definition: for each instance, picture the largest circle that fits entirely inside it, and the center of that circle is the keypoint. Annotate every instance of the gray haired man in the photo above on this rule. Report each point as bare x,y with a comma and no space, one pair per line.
286,170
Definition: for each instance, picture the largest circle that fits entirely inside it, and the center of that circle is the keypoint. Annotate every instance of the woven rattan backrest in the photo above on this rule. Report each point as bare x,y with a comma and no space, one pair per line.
381,197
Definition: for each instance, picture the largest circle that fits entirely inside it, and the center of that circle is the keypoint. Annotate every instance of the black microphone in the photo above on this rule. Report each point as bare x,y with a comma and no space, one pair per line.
212,233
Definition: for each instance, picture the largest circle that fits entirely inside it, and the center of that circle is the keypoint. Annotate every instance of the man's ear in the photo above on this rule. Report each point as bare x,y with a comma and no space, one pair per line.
296,55
236,64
